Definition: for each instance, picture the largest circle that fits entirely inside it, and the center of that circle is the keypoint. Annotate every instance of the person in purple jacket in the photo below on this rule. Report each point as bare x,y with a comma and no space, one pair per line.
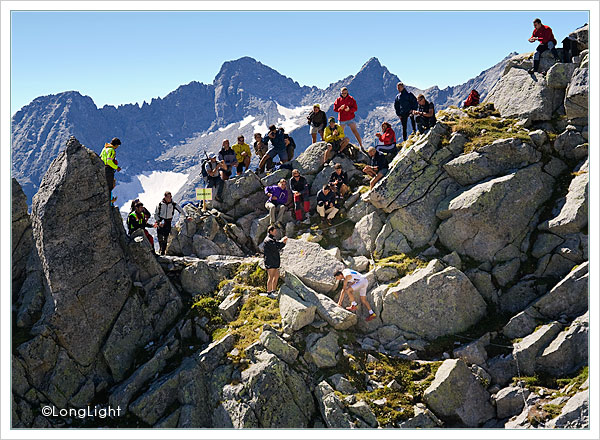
278,198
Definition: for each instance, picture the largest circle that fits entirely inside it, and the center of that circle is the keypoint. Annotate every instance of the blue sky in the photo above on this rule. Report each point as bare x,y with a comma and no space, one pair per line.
134,56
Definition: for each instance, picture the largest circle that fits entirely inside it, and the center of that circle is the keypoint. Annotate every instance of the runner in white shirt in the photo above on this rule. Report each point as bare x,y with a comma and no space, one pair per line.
354,282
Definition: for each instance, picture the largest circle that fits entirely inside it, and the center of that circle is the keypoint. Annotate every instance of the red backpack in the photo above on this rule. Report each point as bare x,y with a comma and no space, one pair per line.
472,100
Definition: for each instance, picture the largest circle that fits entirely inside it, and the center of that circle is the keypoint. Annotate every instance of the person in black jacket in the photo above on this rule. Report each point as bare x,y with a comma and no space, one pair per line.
300,191
378,168
271,249
424,114
317,119
326,204
404,103
339,180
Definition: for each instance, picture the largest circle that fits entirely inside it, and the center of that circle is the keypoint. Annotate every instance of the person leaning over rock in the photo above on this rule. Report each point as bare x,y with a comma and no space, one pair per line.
378,167
228,160
354,282
326,204
424,114
544,35
346,107
278,198
337,142
339,180
138,220
317,120
278,147
212,168
163,216
242,154
271,249
260,148
387,141
111,165
404,103
300,191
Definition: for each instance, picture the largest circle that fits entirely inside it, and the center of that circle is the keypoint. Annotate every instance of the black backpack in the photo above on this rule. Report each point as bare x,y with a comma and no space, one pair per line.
204,172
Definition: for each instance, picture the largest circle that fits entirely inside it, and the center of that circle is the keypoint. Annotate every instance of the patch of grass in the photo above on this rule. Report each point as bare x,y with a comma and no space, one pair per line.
363,189
494,129
552,410
208,307
576,381
257,310
403,263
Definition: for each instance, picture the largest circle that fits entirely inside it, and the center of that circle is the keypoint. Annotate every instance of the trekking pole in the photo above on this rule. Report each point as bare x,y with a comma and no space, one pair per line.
204,207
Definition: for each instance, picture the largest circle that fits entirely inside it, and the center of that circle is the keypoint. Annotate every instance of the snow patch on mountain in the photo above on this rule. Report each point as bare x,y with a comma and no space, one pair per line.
292,117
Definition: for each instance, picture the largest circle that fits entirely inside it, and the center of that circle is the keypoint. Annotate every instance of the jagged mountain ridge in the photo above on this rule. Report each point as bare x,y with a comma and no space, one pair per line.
170,133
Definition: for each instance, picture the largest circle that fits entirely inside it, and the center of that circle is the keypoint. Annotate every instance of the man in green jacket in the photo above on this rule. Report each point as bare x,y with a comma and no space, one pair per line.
110,165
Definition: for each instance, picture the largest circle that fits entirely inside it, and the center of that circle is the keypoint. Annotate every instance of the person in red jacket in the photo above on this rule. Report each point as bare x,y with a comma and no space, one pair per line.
544,35
387,140
345,106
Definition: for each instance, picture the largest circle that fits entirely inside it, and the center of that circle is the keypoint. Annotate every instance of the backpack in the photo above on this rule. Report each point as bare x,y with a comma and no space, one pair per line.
203,165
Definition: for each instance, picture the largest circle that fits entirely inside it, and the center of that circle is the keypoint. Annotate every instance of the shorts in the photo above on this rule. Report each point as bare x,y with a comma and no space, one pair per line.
383,172
282,153
268,266
227,172
315,130
349,122
361,287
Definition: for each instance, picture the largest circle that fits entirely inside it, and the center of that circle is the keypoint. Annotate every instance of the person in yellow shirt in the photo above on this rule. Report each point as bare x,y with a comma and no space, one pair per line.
242,154
108,156
337,142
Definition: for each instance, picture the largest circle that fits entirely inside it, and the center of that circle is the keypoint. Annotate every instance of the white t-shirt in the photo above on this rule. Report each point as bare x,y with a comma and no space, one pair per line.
356,277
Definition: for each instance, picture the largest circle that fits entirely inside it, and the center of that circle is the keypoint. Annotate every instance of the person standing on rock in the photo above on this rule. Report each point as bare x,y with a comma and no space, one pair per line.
278,198
544,35
272,249
138,220
378,168
317,120
260,148
346,107
108,156
424,114
163,216
300,191
278,147
212,168
242,154
404,103
228,160
354,282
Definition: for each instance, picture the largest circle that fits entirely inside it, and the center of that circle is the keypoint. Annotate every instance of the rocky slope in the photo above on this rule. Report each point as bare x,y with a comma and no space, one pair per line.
475,246
171,133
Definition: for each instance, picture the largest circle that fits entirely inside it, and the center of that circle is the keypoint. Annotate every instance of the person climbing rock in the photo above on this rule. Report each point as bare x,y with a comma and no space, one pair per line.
272,249
326,201
300,191
137,219
404,103
278,198
354,282
163,216
108,156
346,107
544,35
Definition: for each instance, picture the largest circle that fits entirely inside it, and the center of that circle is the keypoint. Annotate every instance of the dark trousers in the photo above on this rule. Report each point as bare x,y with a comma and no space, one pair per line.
110,180
424,123
216,182
404,120
268,165
163,235
538,53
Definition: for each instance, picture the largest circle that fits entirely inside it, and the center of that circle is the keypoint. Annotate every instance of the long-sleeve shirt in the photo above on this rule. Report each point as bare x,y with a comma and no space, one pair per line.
544,33
299,185
239,149
271,250
228,156
108,156
165,211
277,142
387,138
405,102
136,221
343,176
328,199
317,119
281,194
345,115
328,135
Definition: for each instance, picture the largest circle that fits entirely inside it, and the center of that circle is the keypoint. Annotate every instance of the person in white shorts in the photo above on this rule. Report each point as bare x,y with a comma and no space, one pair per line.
354,282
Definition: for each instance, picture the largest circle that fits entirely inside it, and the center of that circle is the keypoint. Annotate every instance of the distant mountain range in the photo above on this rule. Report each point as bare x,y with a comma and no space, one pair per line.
171,133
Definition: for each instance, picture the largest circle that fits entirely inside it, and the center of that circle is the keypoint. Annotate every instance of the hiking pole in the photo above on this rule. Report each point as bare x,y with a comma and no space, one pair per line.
204,207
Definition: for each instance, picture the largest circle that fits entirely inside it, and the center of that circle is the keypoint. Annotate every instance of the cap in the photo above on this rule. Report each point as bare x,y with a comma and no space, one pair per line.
212,156
400,83
331,119
317,105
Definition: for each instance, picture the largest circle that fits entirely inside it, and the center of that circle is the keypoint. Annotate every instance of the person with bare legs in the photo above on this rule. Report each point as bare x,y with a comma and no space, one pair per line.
272,249
346,107
378,167
354,282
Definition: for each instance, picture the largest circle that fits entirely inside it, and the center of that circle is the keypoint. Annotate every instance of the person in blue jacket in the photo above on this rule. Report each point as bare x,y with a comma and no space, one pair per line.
405,102
278,147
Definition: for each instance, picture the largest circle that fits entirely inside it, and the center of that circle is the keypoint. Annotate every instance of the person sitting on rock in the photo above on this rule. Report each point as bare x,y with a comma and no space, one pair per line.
339,180
212,168
317,120
300,191
387,141
108,156
163,217
326,201
378,167
278,147
424,114
228,160
138,220
354,282
242,154
337,142
278,198
260,148
272,249
472,99
346,107
544,35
